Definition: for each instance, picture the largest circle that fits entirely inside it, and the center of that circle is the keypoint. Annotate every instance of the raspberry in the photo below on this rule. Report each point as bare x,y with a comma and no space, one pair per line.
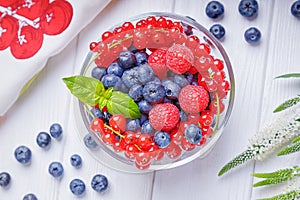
164,116
157,60
193,99
179,59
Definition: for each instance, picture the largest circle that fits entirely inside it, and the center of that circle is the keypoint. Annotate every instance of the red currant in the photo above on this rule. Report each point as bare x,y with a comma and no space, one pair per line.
151,20
162,22
173,151
106,35
214,106
219,64
97,125
142,159
118,122
119,146
145,142
127,26
186,145
206,119
130,138
108,138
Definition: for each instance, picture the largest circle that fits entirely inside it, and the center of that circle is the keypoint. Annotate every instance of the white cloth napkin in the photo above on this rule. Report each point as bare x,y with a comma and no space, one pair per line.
31,31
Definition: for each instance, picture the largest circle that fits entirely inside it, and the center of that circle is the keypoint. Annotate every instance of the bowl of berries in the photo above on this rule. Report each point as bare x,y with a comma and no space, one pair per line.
155,92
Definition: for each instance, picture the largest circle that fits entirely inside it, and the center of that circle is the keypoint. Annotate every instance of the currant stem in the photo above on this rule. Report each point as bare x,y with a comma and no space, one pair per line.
114,131
218,113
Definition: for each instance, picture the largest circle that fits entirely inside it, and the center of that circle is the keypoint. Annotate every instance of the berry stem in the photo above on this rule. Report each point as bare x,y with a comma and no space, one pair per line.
218,112
114,131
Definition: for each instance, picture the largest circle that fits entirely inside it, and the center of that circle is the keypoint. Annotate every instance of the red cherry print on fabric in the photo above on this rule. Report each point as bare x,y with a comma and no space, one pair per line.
57,17
24,22
8,31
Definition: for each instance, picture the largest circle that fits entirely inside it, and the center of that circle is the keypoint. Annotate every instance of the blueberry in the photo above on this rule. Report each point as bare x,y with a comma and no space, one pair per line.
171,88
23,154
76,161
97,113
98,72
153,93
248,8
106,117
143,118
188,30
147,128
30,196
43,139
126,59
145,73
144,106
115,68
156,80
56,169
189,77
252,35
4,179
193,134
214,9
120,86
141,57
89,141
180,80
110,80
77,187
133,125
218,31
136,92
99,183
295,9
130,77
162,139
55,130
183,116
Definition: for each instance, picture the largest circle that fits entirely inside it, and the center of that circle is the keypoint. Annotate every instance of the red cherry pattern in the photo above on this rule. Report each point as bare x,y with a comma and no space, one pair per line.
24,23
158,35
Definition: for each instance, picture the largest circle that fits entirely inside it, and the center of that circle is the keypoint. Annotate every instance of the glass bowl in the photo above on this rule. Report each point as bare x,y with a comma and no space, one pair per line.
175,47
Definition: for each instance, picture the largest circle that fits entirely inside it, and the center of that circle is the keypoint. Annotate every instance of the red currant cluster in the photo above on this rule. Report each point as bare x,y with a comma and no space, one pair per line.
171,49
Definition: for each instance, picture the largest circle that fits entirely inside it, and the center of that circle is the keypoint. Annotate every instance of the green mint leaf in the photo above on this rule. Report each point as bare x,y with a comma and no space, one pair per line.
292,75
86,89
291,148
105,98
120,103
238,160
292,195
287,104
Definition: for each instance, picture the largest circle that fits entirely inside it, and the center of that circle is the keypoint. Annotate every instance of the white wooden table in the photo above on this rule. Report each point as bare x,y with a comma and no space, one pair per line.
257,94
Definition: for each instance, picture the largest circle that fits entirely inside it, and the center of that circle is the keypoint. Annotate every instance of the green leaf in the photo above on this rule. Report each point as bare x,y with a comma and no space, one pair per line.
287,104
279,173
105,98
271,181
292,195
292,75
296,139
121,103
291,148
238,160
86,89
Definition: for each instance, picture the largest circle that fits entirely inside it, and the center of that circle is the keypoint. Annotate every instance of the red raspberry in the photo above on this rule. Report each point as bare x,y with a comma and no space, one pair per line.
164,116
193,99
179,59
157,60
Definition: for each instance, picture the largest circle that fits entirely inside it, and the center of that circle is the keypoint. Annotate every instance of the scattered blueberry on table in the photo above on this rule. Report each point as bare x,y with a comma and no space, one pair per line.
77,187
218,31
214,9
23,154
295,9
56,130
56,169
43,139
89,141
4,179
248,8
30,196
76,160
252,35
99,183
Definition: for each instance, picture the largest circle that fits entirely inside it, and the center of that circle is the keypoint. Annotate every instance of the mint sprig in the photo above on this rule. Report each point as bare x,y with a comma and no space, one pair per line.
91,91
291,75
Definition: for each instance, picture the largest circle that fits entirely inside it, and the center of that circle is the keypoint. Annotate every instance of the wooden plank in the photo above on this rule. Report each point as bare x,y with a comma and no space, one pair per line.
283,57
199,179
